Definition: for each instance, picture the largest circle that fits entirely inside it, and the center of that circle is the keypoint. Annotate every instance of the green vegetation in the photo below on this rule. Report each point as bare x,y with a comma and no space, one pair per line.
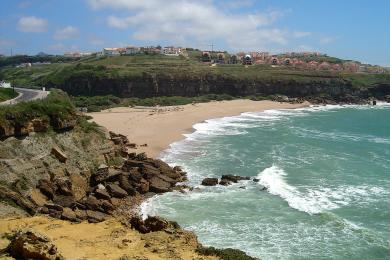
18,59
97,103
56,106
7,93
224,254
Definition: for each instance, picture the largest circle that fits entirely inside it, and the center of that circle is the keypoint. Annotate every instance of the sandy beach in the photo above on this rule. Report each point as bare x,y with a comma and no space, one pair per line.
158,127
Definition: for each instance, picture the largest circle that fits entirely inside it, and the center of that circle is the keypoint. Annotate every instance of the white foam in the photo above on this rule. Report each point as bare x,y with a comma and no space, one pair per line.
315,200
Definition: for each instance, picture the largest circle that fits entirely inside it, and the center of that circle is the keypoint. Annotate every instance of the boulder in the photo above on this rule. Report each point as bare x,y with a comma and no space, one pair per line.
149,171
64,201
68,214
95,216
116,191
131,163
80,214
135,175
102,194
224,182
234,178
143,186
124,183
151,224
64,187
92,203
40,124
107,206
28,244
46,187
158,185
59,154
54,207
210,181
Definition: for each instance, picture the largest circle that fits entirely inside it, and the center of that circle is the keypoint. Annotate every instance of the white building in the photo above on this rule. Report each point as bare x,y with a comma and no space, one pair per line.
111,52
132,50
172,51
4,84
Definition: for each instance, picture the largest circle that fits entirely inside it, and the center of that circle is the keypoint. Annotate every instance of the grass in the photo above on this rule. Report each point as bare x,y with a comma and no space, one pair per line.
7,93
98,103
56,105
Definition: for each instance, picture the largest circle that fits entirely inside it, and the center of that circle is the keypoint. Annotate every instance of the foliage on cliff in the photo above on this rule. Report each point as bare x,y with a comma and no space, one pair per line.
7,93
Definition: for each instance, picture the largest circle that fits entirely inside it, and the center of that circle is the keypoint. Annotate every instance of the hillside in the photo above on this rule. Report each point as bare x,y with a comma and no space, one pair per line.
145,76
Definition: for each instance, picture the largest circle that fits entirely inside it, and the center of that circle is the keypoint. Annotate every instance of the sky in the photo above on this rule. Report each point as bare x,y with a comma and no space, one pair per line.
350,29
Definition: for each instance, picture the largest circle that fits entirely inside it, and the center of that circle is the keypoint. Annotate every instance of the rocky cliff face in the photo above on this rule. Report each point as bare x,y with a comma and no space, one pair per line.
163,85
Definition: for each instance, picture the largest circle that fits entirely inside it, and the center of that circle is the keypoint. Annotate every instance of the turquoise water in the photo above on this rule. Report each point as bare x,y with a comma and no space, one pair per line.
327,170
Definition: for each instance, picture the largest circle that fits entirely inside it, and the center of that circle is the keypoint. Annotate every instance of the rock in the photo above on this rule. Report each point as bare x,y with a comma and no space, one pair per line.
234,178
68,214
102,194
149,171
44,210
177,169
29,244
149,195
116,191
60,155
40,124
92,203
64,201
54,207
46,187
124,183
256,180
64,187
151,224
63,124
224,182
107,206
158,185
210,181
135,175
131,163
95,216
80,214
143,186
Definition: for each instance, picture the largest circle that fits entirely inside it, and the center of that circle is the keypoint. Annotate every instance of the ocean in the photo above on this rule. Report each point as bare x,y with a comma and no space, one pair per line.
327,174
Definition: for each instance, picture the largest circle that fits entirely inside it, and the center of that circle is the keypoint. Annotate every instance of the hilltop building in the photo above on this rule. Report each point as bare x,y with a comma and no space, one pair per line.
111,52
132,50
171,51
247,60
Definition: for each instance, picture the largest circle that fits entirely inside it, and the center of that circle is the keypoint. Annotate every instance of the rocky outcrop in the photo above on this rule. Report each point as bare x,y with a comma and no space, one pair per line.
28,244
151,224
210,181
326,87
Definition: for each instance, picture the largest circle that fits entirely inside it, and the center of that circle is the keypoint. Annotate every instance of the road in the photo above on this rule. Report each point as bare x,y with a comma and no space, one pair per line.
25,95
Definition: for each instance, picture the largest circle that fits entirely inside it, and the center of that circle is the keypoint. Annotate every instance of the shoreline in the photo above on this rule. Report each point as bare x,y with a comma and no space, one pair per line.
158,127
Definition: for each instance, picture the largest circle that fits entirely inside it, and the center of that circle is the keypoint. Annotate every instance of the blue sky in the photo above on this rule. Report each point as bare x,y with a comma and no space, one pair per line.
352,29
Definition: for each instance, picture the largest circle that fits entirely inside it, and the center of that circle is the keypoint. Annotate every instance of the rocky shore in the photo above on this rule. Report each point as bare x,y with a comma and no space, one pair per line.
74,181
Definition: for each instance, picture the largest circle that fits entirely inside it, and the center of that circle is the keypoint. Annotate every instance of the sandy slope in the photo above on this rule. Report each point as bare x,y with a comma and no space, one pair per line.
159,127
106,240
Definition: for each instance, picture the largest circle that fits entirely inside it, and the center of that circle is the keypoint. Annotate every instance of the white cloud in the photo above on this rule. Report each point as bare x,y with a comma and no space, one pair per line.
185,21
95,41
298,34
32,24
327,39
63,47
66,33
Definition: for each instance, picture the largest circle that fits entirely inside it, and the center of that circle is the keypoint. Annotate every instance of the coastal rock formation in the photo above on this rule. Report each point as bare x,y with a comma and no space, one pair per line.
28,244
210,181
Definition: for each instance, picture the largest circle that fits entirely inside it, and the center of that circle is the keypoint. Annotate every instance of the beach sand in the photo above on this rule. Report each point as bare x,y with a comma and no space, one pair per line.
158,127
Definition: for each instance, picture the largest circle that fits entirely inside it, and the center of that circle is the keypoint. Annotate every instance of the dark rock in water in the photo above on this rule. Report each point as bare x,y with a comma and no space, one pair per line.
224,182
102,194
263,188
243,187
234,178
151,224
29,244
256,180
210,181
158,185
149,195
46,187
116,191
